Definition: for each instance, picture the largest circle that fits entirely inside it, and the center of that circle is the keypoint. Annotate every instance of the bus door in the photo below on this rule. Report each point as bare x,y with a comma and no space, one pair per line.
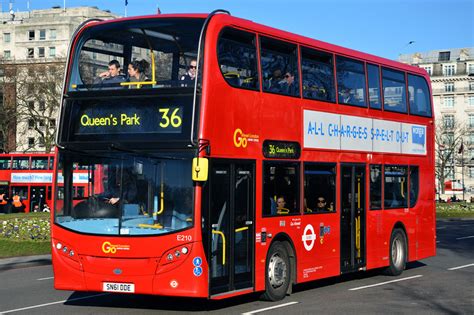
37,198
352,217
229,199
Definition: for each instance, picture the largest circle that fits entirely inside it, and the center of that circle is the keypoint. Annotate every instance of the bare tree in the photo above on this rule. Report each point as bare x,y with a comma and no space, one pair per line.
8,114
38,96
448,141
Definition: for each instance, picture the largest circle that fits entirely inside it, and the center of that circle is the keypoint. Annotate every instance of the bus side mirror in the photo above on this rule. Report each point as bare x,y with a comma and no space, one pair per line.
200,169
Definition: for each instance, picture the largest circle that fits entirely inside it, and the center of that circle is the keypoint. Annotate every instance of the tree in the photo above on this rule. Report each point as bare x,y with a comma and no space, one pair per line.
38,100
8,114
448,139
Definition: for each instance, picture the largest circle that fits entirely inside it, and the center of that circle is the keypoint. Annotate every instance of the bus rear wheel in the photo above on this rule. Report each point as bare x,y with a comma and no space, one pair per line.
398,253
277,273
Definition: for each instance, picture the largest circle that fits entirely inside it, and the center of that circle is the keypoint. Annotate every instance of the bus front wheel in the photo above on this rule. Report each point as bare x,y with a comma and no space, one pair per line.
278,273
398,253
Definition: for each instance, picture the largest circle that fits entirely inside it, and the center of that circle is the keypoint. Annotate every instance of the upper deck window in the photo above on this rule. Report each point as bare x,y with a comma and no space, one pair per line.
237,55
279,62
5,163
373,77
318,75
21,163
394,93
350,81
419,96
39,163
153,53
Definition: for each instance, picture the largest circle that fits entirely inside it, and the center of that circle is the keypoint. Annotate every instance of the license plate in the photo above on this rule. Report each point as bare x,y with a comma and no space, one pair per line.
118,287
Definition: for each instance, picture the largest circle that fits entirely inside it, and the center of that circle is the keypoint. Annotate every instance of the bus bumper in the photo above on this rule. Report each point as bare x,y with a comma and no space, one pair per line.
185,275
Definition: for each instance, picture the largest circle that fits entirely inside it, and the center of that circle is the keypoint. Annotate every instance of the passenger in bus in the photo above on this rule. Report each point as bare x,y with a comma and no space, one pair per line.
191,73
288,85
321,205
346,97
136,72
112,75
273,84
281,203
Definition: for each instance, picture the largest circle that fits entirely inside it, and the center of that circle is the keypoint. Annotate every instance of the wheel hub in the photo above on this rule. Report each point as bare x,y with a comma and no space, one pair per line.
397,252
277,270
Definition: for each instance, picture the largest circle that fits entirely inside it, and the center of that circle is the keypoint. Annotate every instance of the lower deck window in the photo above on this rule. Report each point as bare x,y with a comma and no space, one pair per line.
396,186
319,188
280,186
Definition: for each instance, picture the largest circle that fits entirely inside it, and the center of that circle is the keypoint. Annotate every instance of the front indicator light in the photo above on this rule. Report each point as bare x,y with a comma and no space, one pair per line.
184,250
177,253
65,249
71,253
169,257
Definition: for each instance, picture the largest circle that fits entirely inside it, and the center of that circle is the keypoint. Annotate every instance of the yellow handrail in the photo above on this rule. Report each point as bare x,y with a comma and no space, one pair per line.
162,194
358,236
151,226
358,193
223,244
283,211
241,229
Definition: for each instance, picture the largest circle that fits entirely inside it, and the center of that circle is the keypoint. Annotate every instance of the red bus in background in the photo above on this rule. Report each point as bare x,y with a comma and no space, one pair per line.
285,160
30,177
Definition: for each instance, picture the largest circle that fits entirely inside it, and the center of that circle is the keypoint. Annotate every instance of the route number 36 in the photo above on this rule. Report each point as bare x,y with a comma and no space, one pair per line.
166,120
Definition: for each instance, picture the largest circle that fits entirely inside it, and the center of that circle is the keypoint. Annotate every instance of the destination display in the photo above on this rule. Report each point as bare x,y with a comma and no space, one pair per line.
281,149
147,118
343,132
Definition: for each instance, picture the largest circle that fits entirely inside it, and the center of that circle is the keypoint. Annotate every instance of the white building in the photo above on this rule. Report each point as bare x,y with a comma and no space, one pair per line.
31,38
452,81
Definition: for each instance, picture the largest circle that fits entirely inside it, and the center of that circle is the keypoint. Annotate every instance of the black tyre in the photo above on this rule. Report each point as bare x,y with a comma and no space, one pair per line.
398,253
277,273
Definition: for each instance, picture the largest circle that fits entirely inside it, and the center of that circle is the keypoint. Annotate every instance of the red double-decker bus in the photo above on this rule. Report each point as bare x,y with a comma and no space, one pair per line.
278,160
29,176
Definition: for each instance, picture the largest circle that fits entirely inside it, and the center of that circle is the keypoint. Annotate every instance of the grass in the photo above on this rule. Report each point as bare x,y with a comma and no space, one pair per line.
13,248
24,234
455,210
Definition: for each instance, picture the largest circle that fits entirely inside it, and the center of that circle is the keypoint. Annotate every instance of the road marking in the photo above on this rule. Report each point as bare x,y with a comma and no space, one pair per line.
48,278
441,228
382,283
465,237
270,308
460,267
52,303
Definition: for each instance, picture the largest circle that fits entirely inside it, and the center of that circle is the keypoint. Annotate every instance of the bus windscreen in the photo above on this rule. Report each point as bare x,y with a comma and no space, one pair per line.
134,54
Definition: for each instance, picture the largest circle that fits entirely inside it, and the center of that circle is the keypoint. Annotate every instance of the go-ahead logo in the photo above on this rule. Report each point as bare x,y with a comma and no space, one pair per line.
242,139
109,248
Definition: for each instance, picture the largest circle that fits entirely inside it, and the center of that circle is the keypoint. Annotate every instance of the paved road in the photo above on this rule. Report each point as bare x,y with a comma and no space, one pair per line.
439,285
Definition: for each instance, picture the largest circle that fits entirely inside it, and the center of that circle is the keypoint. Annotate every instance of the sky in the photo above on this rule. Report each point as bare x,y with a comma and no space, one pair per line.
379,27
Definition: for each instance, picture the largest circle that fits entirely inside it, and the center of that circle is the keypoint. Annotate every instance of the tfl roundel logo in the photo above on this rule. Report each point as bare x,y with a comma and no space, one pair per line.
309,237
